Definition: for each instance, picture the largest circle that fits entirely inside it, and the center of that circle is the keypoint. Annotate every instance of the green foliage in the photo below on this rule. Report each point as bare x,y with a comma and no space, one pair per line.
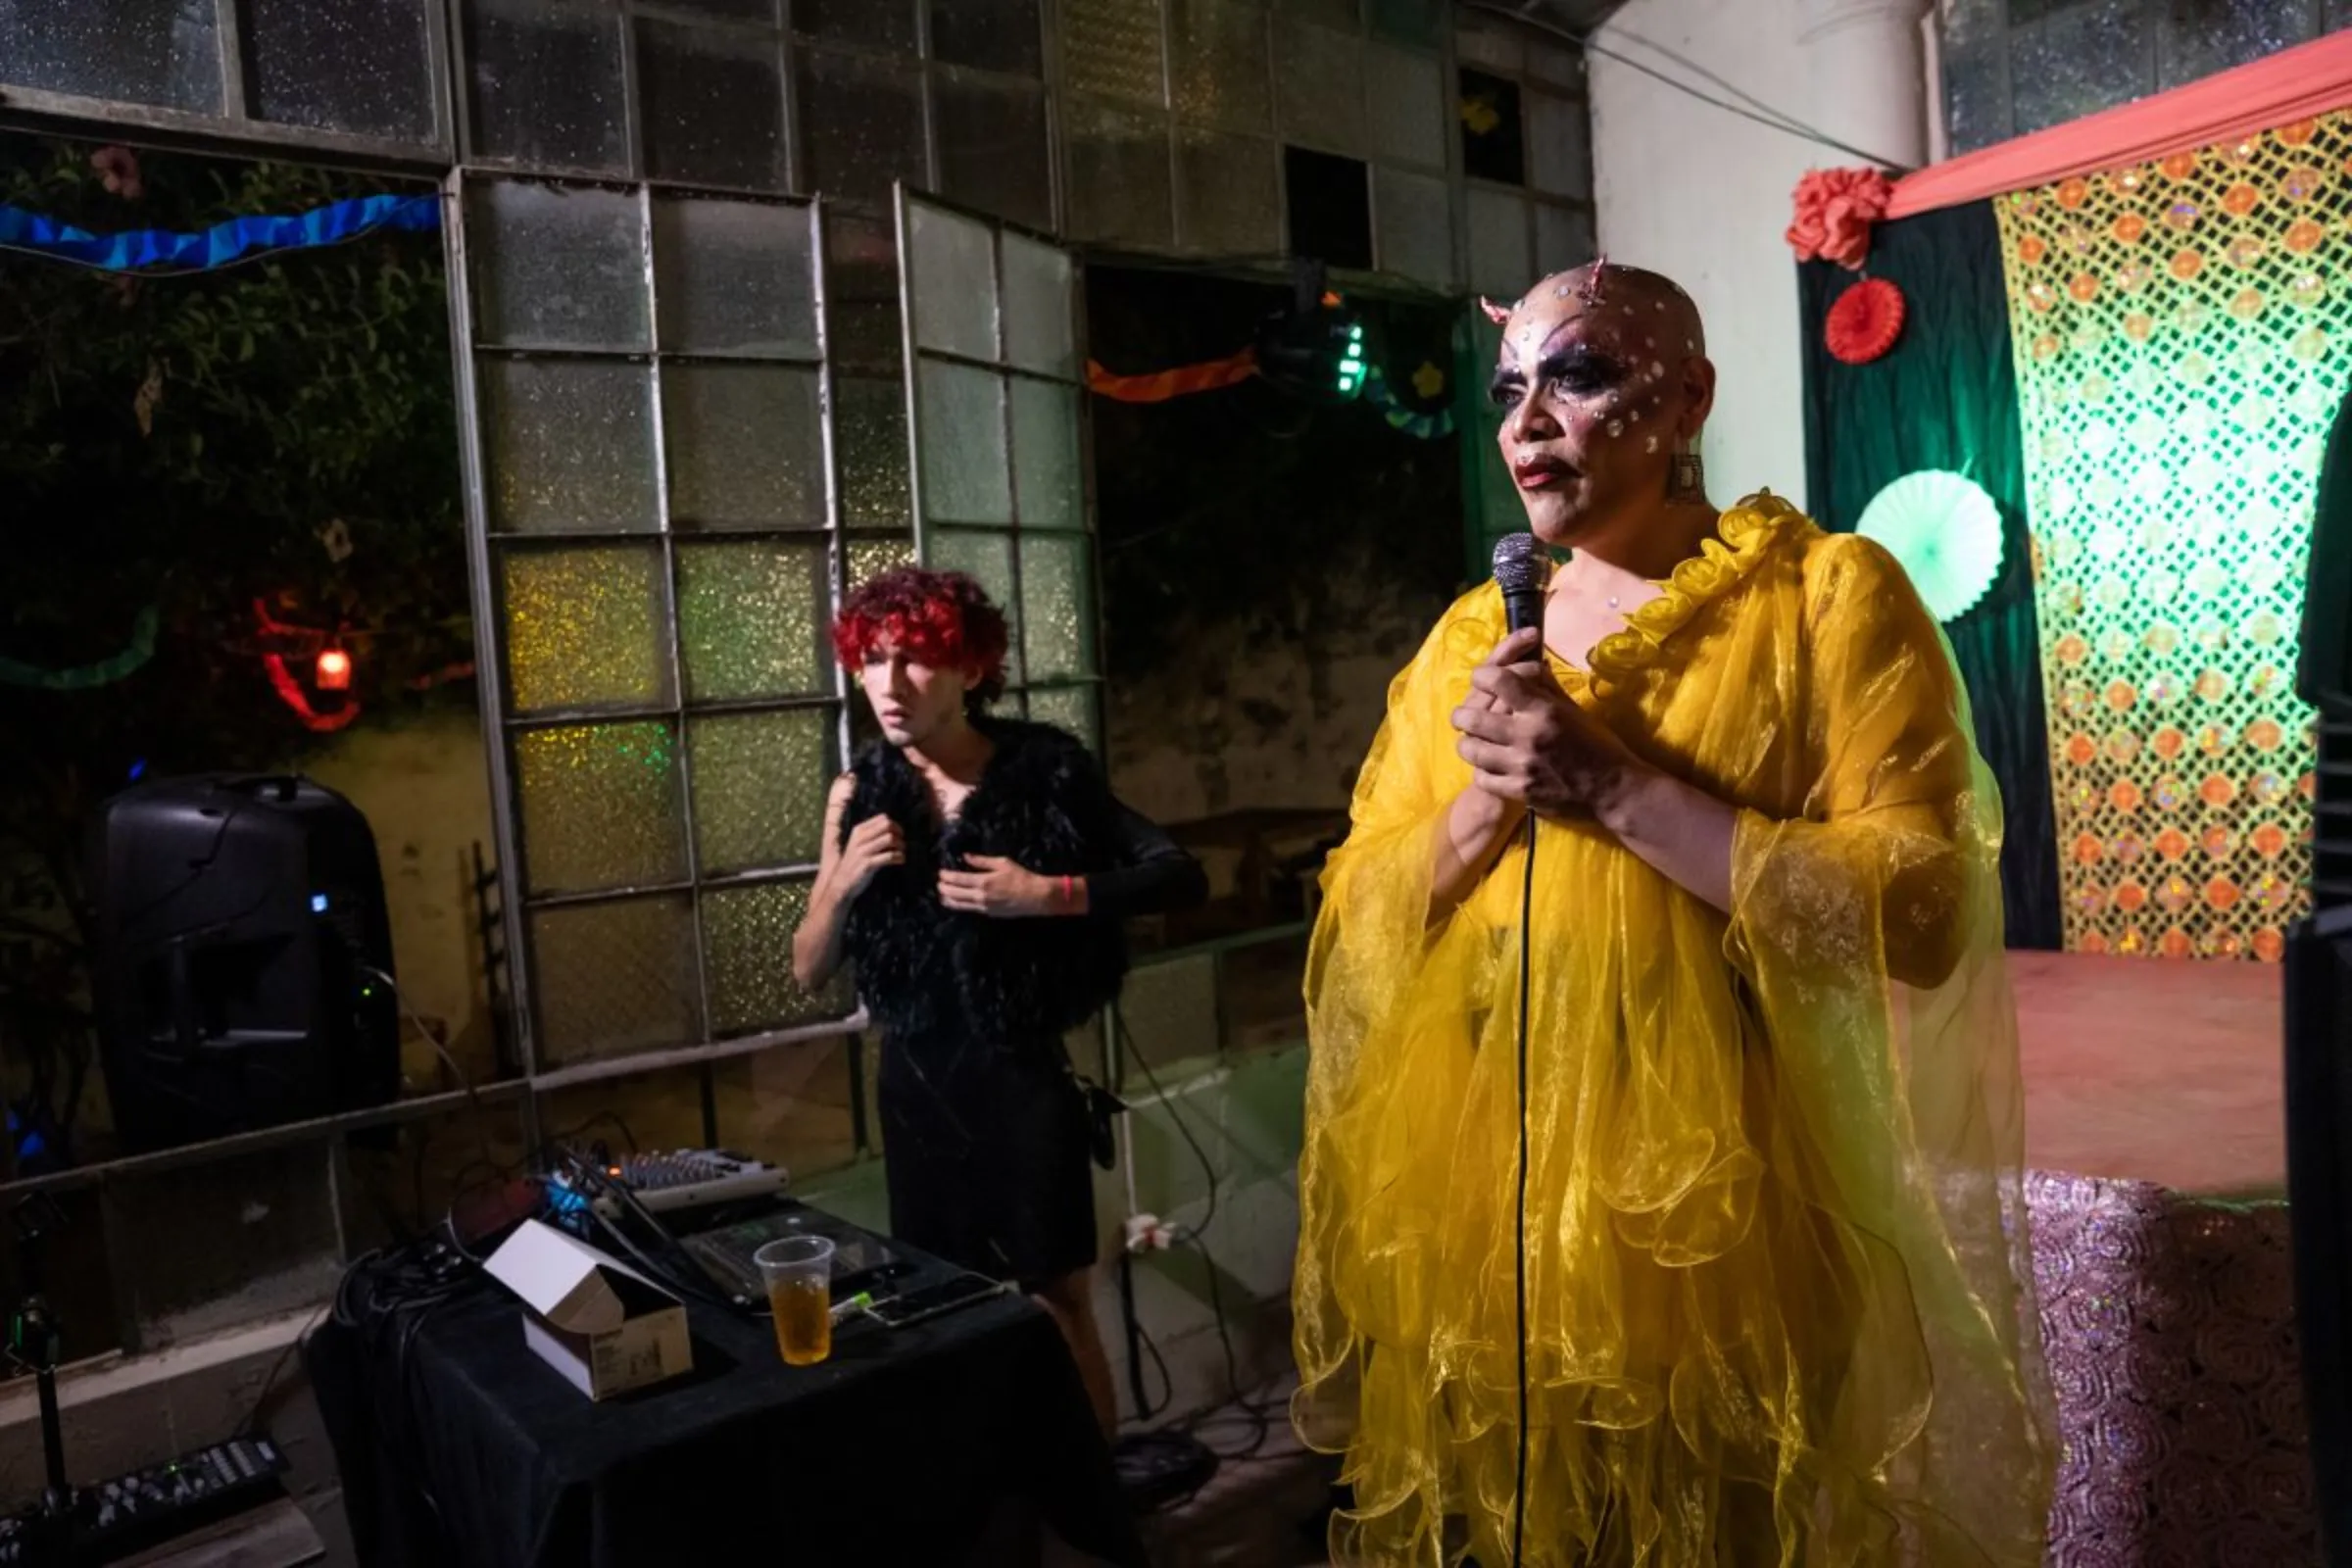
182,442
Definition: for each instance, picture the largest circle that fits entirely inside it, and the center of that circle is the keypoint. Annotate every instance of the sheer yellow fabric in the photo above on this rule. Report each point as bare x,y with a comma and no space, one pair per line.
1779,1308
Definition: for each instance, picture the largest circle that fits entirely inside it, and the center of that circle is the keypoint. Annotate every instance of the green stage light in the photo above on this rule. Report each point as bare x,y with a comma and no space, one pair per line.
1318,352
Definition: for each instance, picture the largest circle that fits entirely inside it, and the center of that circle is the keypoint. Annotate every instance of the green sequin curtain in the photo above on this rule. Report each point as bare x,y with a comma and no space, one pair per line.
1945,397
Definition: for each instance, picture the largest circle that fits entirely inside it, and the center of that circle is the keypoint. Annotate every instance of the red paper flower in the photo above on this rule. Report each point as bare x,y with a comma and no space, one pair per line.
1836,211
1865,321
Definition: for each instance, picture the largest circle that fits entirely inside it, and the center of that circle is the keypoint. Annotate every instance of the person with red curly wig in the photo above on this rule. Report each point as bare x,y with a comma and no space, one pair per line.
976,875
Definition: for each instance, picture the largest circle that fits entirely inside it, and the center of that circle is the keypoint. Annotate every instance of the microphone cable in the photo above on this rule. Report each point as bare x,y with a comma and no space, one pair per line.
1527,911
1522,572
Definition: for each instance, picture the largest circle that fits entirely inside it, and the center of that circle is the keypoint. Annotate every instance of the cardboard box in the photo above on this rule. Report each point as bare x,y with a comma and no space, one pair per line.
605,1327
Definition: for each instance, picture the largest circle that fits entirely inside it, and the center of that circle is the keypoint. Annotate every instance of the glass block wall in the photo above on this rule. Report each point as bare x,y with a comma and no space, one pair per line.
702,485
1148,124
661,535
336,73
1175,115
2014,66
690,391
842,98
1000,472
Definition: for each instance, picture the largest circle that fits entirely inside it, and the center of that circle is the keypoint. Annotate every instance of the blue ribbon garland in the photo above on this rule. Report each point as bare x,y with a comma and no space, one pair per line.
153,250
82,678
1423,426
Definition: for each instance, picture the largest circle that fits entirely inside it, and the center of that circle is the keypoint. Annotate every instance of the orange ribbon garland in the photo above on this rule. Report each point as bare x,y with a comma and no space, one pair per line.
1161,385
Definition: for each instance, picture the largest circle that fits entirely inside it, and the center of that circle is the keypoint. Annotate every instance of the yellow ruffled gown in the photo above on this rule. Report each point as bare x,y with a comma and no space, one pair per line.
1780,1298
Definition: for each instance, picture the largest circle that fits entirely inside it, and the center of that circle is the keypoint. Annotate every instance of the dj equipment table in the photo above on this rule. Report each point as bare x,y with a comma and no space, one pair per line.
460,1447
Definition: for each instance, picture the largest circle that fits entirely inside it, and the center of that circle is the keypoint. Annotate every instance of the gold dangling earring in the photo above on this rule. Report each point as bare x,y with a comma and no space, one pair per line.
1685,476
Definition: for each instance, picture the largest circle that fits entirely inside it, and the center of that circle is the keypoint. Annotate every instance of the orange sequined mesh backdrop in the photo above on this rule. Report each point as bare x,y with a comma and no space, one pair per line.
2182,331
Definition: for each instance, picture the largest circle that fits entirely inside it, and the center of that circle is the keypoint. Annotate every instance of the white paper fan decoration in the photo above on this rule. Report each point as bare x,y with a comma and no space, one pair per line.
1945,530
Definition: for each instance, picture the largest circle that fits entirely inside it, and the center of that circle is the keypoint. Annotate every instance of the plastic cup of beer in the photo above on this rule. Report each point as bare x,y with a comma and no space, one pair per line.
799,1271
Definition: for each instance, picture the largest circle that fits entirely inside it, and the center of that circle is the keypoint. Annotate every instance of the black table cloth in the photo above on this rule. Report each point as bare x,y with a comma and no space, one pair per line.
460,1448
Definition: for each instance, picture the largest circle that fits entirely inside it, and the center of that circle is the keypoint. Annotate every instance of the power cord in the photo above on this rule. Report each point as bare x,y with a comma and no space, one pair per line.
1144,1409
1762,114
1254,1413
250,1424
473,1100
537,1154
549,1151
385,1299
472,1097
594,1182
600,1118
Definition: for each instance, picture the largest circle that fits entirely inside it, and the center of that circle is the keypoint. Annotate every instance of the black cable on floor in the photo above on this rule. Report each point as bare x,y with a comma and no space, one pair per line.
1257,1413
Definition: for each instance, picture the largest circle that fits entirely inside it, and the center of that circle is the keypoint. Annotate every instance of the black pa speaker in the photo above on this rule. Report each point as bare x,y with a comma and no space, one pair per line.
237,919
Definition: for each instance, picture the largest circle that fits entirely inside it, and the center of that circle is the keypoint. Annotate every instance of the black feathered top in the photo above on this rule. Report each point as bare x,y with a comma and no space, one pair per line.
924,971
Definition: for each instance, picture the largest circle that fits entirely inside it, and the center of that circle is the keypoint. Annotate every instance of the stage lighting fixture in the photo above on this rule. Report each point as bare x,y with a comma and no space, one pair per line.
1318,352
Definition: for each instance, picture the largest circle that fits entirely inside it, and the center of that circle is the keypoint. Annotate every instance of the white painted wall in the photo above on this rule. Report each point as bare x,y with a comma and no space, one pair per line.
1703,195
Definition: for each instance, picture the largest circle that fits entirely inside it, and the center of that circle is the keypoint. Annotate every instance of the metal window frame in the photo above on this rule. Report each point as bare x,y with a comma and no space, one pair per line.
450,159
678,709
1005,373
1093,684
485,553
237,130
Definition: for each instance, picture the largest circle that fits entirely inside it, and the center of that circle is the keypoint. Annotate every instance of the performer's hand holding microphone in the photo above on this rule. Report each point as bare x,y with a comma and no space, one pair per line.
1494,740
1522,570
1526,740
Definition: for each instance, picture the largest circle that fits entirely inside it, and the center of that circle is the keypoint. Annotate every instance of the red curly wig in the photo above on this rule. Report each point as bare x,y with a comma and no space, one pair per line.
941,617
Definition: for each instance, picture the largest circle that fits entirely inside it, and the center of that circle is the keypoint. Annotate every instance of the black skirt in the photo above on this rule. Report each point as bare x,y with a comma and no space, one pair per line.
988,1156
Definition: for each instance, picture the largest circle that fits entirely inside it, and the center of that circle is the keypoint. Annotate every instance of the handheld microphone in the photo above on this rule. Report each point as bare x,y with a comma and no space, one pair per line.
1521,570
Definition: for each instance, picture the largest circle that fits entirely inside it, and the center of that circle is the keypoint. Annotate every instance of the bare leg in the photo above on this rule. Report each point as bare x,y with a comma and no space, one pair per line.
1072,1304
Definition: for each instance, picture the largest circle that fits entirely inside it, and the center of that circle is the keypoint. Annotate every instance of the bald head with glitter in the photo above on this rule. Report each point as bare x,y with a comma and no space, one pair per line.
1604,383
1600,286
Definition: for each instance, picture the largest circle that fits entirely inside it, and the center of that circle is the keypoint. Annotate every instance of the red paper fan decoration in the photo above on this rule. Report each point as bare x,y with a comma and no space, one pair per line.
1865,321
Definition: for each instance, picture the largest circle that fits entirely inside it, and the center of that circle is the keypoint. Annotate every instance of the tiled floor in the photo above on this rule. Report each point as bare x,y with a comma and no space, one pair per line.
2154,1070
1262,1511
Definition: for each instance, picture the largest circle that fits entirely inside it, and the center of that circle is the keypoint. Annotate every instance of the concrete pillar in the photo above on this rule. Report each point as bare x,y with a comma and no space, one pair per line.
1868,80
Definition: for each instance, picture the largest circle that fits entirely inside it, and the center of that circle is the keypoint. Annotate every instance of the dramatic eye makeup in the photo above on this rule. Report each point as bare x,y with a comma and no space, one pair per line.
1576,369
